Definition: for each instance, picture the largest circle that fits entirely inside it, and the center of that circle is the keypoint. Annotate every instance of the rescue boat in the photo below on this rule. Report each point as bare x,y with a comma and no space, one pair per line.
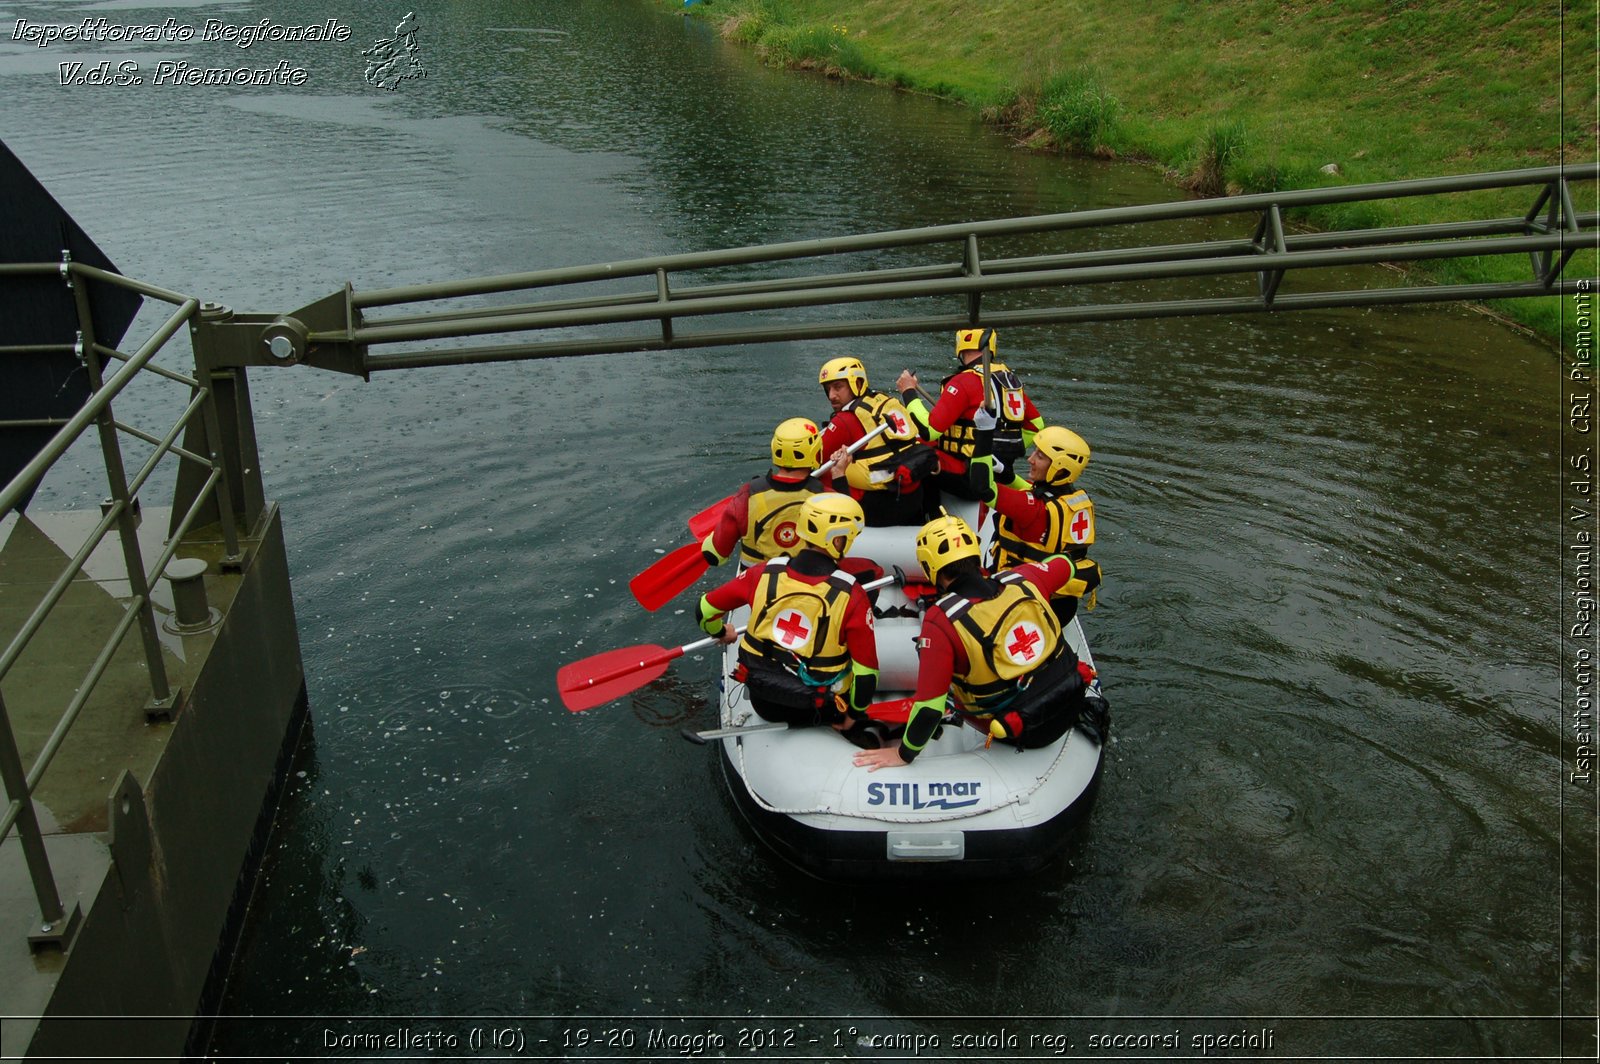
962,809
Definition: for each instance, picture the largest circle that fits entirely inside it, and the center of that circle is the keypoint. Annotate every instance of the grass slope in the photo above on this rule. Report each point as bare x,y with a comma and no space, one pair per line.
1242,95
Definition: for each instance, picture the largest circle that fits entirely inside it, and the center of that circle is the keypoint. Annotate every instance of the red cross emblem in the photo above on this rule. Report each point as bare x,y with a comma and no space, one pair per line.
1014,404
1024,644
793,628
1080,526
786,535
897,424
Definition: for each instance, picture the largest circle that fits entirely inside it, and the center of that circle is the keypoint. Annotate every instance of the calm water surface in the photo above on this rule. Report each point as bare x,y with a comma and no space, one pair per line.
1329,632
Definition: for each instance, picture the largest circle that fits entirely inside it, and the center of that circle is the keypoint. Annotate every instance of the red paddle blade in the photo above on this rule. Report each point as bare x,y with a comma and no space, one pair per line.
670,575
897,711
701,524
605,677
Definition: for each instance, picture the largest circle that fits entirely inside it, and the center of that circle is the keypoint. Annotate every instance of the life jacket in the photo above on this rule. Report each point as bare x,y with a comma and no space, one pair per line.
774,514
799,626
1069,531
1007,638
1010,407
898,445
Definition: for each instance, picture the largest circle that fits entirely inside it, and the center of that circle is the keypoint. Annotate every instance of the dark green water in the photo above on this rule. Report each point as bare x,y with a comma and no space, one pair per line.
1330,629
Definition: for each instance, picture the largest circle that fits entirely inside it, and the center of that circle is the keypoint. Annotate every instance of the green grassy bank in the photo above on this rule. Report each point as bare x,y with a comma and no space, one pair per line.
1233,96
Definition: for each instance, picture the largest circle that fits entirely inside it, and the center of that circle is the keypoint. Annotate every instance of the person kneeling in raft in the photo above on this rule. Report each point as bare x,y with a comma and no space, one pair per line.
808,655
994,645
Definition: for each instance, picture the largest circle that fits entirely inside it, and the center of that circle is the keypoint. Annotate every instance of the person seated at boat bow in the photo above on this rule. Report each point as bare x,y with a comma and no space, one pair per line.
1054,516
992,648
808,655
762,517
886,475
949,425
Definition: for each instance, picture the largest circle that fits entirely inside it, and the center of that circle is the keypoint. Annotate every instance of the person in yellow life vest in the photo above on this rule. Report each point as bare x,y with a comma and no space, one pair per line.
1053,516
886,475
808,655
949,425
991,647
761,520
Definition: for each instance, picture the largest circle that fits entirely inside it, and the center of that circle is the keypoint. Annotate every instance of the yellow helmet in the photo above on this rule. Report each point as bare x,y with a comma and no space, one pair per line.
974,340
944,540
830,522
845,369
1065,449
796,444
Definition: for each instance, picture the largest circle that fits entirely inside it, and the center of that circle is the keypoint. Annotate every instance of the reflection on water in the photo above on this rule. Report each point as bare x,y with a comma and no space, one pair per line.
1325,630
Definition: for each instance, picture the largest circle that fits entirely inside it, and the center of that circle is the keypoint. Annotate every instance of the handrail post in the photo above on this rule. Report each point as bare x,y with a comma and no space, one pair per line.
163,700
1269,239
57,926
972,266
233,557
664,297
1569,224
225,433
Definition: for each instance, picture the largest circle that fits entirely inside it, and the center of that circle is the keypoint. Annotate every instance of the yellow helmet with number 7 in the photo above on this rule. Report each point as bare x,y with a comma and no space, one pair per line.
944,540
796,444
830,522
1066,451
845,369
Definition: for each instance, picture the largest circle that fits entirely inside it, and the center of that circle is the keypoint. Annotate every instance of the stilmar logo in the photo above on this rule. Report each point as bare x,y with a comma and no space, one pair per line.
939,794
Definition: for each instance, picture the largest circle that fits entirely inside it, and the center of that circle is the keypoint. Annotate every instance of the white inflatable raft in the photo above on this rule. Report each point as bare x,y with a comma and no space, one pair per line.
958,811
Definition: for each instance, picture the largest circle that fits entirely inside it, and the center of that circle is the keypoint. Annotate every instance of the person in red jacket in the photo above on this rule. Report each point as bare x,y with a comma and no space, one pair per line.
949,426
808,655
1054,516
761,520
885,476
991,648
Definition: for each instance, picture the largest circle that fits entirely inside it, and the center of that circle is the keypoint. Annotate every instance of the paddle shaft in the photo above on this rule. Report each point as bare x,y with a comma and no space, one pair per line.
988,396
651,662
700,738
852,448
710,513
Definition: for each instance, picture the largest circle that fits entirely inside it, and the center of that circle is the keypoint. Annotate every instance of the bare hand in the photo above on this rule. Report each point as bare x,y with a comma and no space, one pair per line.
873,760
906,382
840,460
729,634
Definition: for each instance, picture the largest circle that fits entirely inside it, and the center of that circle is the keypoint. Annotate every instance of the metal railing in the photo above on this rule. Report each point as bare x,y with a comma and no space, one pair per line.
1100,283
57,922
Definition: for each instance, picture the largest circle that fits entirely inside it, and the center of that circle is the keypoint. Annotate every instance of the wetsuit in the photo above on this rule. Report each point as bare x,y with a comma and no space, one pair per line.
809,638
949,424
992,645
886,475
1035,524
761,518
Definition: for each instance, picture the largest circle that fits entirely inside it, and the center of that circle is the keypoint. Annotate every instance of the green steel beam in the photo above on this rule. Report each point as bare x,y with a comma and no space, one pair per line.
568,312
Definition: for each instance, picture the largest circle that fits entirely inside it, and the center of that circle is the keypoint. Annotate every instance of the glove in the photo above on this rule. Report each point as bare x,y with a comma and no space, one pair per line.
980,476
984,421
1095,720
